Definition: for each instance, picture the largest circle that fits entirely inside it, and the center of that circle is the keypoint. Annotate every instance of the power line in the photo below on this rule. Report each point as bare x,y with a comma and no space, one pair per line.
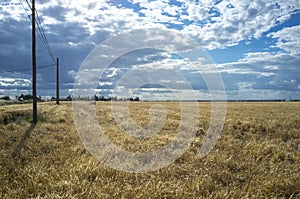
42,35
28,4
25,10
26,69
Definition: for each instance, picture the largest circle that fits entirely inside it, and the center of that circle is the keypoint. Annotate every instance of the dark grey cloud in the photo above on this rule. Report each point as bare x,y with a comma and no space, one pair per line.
74,28
264,71
57,12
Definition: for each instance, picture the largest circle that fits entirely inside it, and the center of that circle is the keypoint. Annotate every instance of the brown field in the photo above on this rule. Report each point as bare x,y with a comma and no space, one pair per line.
257,155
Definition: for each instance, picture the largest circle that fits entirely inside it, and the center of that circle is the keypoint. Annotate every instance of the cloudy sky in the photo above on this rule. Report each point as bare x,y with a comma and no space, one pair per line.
254,46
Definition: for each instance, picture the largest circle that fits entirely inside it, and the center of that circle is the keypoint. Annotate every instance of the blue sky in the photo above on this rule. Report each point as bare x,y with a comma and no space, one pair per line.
254,45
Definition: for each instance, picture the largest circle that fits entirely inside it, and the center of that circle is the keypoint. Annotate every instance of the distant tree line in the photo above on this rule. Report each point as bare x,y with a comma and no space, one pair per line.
5,98
98,98
21,97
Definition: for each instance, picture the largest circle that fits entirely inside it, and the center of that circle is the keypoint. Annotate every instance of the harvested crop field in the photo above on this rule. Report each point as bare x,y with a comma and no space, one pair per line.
257,155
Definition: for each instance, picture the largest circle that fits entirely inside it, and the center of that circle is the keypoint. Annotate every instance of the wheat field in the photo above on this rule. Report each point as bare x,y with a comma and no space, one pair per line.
257,155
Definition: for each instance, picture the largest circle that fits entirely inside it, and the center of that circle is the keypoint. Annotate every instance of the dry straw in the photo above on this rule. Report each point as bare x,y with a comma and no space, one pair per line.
257,156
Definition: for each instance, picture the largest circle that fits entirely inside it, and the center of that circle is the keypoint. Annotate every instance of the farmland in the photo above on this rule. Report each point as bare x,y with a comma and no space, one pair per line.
257,155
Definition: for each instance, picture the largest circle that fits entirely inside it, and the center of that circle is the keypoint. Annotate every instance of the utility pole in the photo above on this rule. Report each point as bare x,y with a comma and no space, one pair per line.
34,101
57,81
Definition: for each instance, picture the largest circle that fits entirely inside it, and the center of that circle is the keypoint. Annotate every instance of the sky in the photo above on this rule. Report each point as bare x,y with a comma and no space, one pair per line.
254,46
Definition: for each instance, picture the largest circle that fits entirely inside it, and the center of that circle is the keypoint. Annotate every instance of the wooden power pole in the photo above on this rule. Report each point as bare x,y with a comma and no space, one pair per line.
57,81
34,101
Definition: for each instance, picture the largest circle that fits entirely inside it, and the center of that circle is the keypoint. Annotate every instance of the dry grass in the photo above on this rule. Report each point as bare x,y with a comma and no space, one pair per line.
257,156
